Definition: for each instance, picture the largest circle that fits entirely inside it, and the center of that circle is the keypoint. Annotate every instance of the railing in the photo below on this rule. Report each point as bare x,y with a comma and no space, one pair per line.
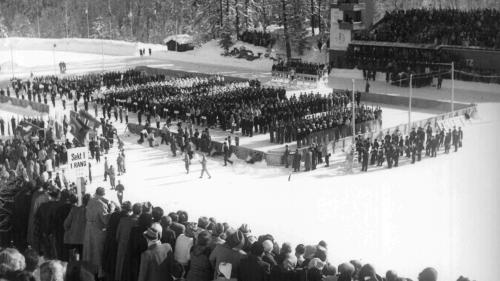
40,107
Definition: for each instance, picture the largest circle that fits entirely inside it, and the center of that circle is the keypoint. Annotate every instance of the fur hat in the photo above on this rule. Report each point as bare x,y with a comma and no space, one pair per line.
316,263
100,191
268,245
236,239
154,232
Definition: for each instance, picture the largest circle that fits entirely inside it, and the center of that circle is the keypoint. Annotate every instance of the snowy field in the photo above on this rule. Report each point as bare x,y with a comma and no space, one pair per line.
442,212
26,58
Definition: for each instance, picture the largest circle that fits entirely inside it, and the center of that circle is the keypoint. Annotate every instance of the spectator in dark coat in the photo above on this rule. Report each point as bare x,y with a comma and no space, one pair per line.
268,254
229,252
111,245
157,260
252,267
177,227
60,215
137,244
122,237
168,235
199,267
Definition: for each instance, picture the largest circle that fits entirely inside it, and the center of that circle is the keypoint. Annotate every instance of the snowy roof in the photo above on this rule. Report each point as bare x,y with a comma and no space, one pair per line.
180,38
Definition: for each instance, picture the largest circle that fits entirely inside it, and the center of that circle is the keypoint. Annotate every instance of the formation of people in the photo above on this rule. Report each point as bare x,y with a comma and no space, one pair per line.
393,146
234,106
75,89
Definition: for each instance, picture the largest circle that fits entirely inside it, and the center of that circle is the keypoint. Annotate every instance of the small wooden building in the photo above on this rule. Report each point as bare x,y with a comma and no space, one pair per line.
179,42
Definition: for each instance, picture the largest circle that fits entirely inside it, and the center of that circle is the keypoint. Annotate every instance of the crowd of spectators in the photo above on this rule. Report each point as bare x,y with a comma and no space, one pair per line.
426,64
102,240
300,67
257,38
479,28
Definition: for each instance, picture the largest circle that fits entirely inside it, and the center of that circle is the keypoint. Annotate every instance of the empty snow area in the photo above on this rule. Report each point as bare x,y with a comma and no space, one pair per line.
441,212
35,58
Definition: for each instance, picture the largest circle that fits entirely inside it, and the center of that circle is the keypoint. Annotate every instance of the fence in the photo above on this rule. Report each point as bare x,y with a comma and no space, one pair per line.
43,108
325,138
216,147
435,121
343,137
299,77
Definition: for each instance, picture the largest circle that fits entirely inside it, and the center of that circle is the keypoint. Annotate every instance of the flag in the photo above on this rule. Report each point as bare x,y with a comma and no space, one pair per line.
78,128
25,128
89,120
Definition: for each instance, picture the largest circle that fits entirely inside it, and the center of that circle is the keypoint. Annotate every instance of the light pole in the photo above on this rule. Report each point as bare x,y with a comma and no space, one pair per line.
353,111
452,86
452,99
409,102
87,14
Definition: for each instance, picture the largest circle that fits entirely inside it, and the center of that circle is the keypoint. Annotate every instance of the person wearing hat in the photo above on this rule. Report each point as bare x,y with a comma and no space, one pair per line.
428,274
97,215
122,237
184,243
199,265
157,260
252,267
168,235
229,253
268,253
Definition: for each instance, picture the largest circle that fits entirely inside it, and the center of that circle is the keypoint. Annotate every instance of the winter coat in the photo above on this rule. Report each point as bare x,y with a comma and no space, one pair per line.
200,268
156,262
74,226
97,216
122,238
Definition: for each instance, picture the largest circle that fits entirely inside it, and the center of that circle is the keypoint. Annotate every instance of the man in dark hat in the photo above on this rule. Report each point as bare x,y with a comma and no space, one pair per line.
252,267
157,260
229,252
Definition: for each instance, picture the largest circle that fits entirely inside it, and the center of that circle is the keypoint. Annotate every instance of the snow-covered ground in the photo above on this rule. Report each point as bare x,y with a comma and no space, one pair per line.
29,58
440,212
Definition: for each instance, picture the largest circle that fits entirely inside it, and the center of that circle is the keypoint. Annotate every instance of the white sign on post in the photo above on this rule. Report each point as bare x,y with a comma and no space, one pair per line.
78,162
78,168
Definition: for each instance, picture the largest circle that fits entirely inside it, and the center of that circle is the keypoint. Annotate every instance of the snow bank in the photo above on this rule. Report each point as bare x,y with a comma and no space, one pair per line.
78,45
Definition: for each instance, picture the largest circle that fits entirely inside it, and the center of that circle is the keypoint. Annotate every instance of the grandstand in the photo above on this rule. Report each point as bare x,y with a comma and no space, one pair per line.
422,41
